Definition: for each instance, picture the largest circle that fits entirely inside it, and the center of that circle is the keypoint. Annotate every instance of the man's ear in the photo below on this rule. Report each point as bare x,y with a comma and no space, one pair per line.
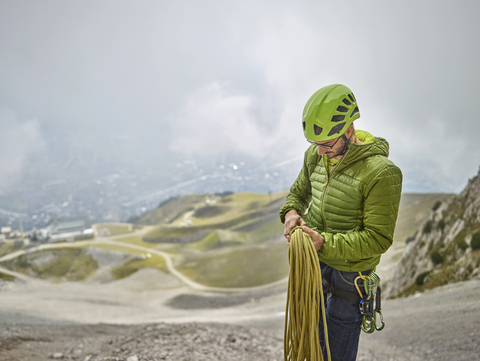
349,131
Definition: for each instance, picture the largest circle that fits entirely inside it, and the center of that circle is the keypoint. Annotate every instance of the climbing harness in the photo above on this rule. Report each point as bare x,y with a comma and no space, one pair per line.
370,304
304,298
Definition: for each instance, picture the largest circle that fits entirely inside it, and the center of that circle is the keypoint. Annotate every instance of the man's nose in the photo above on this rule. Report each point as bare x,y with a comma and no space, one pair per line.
321,150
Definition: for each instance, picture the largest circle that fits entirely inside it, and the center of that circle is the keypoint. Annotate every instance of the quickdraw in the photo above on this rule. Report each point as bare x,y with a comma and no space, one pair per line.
370,304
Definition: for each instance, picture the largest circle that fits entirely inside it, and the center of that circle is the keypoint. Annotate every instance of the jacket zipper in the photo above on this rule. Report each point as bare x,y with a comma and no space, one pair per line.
325,189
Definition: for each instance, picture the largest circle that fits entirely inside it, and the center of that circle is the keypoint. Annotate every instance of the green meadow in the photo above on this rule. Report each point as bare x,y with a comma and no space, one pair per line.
234,240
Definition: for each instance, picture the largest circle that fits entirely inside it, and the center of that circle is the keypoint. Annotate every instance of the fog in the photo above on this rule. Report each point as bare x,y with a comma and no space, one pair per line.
170,91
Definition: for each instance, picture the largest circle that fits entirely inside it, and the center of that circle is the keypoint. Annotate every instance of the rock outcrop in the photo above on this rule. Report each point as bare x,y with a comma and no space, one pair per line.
441,251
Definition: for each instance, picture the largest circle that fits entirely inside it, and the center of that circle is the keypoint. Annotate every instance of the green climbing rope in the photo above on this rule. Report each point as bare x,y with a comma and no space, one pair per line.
301,341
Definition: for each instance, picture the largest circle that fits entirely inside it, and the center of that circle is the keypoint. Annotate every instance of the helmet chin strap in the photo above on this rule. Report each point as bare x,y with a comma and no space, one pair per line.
345,146
347,142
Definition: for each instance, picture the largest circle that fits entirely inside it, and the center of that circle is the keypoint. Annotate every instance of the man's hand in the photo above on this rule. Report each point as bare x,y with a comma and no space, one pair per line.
292,220
317,239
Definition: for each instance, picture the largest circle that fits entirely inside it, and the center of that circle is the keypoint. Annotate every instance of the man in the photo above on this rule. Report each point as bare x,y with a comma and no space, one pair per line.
350,191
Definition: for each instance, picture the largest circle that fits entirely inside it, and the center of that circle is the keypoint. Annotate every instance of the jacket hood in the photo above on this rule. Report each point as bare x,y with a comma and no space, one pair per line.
371,146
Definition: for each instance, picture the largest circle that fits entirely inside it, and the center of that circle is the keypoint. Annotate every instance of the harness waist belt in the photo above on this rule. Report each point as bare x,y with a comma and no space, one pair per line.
352,297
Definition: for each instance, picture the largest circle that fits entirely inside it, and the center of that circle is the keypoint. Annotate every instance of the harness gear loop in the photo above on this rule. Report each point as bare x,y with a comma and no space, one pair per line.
304,299
349,296
372,298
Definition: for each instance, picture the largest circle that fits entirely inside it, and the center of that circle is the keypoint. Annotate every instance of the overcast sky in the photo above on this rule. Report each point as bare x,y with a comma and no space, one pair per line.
191,78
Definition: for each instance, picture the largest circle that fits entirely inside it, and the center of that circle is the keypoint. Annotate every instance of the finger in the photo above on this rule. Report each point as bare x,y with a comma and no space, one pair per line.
306,229
309,231
288,229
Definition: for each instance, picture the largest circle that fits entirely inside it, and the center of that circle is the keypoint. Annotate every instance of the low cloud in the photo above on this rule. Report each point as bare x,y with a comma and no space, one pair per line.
215,119
19,139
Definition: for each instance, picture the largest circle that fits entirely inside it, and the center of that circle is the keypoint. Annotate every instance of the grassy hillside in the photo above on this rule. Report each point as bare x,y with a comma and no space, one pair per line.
71,264
225,241
113,229
230,241
245,267
82,262
414,210
237,241
241,212
255,216
9,247
168,211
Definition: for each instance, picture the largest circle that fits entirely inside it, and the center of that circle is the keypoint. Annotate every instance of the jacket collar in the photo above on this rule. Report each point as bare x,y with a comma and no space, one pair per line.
370,146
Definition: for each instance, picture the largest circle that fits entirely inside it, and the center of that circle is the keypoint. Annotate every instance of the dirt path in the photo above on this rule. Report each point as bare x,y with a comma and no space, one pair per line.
169,263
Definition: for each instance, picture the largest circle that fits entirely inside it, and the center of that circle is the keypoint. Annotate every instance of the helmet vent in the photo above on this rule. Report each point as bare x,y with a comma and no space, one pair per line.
351,98
338,118
342,109
346,102
318,130
355,111
336,129
304,125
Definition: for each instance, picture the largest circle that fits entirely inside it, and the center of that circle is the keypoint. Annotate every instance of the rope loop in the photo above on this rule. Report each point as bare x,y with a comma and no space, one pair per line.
304,299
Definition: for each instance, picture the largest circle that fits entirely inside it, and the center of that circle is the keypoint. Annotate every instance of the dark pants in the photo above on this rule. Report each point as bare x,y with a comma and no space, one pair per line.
343,318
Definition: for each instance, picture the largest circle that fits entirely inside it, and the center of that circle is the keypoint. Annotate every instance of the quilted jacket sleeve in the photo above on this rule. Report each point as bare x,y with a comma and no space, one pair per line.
300,192
382,199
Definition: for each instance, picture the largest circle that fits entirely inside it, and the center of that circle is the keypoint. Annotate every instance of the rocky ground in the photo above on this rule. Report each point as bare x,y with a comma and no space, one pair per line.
182,342
440,324
152,316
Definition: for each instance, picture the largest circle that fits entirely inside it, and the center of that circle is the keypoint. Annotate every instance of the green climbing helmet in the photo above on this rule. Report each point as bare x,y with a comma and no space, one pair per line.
329,112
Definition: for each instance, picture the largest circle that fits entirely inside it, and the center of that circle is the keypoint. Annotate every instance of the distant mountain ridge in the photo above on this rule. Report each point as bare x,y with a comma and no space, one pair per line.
441,252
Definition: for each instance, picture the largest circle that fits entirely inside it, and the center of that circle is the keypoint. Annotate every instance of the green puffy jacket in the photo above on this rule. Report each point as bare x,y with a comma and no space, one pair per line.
355,209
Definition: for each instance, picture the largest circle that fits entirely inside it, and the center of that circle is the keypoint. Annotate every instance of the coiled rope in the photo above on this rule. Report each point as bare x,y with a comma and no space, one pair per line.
301,340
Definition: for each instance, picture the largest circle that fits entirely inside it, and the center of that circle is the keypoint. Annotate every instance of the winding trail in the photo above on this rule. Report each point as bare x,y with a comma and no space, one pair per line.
20,276
110,241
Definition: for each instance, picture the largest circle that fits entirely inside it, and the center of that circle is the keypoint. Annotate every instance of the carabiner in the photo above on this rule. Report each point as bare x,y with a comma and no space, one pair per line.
367,326
381,320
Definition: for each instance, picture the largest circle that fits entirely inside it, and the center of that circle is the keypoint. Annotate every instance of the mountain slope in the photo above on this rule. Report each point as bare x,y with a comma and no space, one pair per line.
231,240
441,251
227,240
197,216
216,238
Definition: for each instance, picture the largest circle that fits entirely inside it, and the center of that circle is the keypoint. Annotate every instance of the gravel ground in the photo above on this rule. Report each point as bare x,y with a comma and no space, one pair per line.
437,325
182,342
